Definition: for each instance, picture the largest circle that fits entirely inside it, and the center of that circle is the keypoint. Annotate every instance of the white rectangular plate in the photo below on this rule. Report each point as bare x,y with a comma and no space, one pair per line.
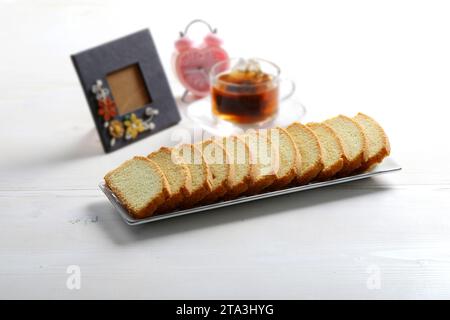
388,165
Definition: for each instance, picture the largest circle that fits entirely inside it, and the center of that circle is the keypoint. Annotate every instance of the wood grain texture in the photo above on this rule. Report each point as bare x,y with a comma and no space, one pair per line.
316,244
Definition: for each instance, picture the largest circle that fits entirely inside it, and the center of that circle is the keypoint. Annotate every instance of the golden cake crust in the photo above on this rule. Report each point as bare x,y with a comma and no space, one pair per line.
382,152
308,172
152,205
176,197
332,169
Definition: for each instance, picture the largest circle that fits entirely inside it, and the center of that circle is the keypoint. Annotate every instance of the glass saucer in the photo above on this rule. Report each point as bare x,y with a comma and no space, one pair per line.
200,113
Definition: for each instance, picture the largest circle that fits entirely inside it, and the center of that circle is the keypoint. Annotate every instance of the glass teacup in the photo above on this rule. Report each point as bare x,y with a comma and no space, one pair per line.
246,91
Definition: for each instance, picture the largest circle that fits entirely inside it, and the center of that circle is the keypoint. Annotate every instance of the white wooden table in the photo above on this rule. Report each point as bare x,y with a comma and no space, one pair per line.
387,237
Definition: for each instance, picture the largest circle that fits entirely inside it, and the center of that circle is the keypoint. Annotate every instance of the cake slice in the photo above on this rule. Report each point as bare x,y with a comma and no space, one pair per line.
353,141
239,157
308,146
289,159
139,185
378,146
332,150
192,157
219,165
177,175
261,156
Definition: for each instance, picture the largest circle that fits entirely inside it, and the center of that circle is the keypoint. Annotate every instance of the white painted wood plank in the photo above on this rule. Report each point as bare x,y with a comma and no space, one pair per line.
293,247
387,59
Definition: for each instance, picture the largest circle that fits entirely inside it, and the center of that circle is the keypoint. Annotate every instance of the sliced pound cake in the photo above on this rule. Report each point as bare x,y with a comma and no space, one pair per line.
353,141
192,157
378,146
332,150
219,165
289,159
309,149
263,168
177,174
140,186
239,156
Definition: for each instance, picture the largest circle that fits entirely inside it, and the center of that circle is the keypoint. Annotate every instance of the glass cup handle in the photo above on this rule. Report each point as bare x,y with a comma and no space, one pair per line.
286,95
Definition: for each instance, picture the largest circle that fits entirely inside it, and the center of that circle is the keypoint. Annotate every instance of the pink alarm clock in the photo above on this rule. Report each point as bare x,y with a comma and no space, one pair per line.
193,63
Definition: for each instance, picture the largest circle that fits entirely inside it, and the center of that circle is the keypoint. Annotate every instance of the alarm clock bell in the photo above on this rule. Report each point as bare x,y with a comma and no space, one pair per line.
192,63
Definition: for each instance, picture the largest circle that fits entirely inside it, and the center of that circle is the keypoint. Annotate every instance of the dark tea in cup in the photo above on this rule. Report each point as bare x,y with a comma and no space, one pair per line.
246,92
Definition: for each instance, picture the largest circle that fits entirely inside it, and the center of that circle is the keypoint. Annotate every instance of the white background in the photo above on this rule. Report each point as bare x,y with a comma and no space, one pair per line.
389,59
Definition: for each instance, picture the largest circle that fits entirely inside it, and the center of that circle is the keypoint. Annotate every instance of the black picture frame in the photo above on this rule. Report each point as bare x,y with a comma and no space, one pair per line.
96,63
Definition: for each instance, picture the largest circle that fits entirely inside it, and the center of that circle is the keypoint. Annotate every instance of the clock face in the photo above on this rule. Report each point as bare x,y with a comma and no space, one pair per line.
193,66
